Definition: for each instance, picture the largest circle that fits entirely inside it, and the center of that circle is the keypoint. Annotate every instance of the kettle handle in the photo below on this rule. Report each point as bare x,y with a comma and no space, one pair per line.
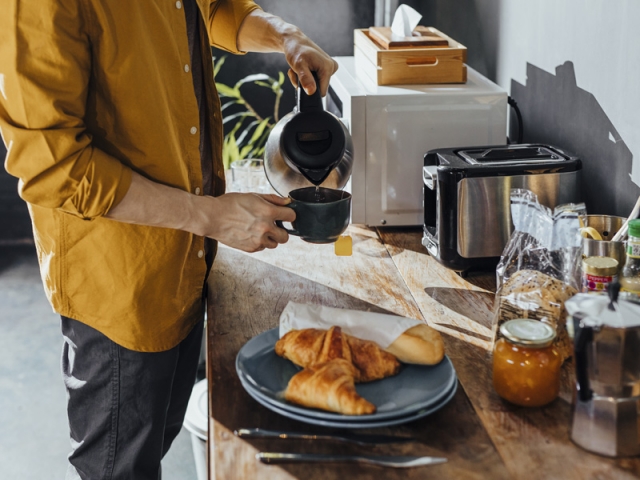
310,103
582,338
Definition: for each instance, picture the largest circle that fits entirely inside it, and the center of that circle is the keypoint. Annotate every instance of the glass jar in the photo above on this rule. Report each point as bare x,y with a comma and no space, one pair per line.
598,273
526,366
630,278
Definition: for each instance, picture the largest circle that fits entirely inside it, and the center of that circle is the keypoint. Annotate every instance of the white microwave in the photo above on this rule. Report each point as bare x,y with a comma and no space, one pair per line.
394,127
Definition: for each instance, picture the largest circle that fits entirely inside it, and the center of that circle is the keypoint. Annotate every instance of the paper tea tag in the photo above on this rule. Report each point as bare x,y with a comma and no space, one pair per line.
343,246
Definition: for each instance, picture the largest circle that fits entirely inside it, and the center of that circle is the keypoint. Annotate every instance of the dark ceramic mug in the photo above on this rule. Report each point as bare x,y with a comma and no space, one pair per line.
319,221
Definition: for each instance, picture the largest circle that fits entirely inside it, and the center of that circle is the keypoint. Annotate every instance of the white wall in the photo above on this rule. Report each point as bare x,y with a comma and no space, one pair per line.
574,68
600,37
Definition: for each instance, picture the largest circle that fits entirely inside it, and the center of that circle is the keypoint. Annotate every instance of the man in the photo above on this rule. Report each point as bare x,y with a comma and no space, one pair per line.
113,126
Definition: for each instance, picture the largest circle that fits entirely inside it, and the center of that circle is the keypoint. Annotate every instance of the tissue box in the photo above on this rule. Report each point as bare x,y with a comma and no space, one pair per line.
411,65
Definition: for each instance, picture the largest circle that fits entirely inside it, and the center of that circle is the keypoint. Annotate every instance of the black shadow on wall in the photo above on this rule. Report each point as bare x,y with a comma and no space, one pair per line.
558,112
474,23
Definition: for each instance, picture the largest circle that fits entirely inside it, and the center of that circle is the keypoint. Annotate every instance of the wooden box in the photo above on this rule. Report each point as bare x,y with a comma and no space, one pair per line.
403,66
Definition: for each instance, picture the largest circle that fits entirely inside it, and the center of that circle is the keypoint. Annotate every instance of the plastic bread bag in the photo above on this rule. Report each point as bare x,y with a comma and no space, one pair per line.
539,267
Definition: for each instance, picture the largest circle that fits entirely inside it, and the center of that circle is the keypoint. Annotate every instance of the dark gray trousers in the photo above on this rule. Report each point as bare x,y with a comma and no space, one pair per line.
125,408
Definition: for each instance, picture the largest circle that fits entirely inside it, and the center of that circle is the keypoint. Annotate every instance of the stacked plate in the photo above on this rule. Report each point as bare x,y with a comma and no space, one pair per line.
415,392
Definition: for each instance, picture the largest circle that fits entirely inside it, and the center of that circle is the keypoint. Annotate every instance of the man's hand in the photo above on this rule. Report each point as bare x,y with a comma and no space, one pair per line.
245,221
304,57
263,32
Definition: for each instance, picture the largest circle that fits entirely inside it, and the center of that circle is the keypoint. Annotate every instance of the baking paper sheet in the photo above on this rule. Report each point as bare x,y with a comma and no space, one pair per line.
380,328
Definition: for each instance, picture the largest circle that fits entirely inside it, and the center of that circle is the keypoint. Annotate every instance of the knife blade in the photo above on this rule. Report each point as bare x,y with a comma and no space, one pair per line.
381,460
361,439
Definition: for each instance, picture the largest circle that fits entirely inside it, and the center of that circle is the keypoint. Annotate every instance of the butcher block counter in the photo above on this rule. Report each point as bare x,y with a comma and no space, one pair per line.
390,272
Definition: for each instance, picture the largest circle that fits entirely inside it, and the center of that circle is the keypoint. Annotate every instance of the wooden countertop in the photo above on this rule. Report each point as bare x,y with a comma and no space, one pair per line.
389,271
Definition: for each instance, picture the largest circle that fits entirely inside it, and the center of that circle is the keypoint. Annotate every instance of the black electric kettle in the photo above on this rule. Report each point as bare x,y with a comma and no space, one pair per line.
307,147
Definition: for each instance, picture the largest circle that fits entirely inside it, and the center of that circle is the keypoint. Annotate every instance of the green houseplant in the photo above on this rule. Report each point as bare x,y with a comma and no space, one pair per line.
247,137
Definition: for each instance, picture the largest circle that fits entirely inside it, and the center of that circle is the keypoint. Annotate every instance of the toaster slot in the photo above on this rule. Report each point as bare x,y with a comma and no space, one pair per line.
430,201
515,155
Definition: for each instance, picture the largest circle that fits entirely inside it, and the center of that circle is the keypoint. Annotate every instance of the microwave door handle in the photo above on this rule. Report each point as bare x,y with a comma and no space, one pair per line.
430,176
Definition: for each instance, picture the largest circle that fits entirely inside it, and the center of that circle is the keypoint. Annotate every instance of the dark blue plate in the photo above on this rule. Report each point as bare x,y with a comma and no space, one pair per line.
364,423
265,375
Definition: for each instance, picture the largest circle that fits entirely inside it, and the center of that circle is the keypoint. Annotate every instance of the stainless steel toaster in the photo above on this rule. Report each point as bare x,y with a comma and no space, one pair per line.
467,208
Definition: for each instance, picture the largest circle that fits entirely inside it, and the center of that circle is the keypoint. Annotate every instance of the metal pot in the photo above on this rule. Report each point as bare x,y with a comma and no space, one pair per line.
607,226
307,147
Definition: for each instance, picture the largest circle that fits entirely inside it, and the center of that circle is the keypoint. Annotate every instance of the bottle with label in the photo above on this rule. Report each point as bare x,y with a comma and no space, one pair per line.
630,277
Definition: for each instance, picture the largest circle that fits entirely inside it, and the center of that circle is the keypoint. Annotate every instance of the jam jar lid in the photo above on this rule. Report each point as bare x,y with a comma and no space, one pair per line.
528,333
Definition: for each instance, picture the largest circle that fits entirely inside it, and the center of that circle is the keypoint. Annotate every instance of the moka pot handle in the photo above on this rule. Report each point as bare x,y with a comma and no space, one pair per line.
581,341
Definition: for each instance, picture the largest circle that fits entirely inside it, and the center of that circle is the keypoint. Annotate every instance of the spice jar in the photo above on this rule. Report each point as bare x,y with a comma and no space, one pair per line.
526,366
598,273
630,278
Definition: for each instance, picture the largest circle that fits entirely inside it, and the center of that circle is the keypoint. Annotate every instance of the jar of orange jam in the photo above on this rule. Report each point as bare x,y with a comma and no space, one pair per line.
526,366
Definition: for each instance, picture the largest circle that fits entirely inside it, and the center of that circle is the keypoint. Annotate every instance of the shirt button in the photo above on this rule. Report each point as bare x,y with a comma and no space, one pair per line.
193,130
178,5
200,254
186,68
197,190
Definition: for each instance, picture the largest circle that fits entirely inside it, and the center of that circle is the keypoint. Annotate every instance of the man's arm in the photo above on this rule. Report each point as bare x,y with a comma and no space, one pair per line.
239,220
244,221
263,32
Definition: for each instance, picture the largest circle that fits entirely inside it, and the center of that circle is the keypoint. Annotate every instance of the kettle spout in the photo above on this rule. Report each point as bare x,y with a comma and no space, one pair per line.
316,176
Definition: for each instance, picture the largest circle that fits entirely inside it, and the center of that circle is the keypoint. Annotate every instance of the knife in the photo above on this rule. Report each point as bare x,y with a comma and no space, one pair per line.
381,460
342,437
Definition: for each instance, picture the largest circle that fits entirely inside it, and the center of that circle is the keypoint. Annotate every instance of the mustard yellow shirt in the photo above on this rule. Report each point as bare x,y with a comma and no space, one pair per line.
91,90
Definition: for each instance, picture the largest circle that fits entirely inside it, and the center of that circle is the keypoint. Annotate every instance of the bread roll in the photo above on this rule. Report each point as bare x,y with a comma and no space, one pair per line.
421,345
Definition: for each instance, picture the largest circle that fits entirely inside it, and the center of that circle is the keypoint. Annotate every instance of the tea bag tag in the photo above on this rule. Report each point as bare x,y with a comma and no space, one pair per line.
343,246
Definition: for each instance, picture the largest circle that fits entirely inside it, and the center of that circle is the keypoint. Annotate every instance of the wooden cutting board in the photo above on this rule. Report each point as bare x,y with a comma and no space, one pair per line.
422,37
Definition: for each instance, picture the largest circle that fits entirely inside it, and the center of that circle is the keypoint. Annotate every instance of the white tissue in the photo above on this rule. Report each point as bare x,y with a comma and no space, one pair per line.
377,327
404,21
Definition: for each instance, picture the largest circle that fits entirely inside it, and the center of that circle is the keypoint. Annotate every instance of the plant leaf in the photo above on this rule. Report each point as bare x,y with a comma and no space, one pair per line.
225,153
246,131
226,91
246,151
217,65
257,134
237,115
251,78
234,152
280,78
228,104
263,84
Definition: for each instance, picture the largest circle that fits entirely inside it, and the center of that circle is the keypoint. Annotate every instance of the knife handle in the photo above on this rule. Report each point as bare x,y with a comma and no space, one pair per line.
260,433
272,458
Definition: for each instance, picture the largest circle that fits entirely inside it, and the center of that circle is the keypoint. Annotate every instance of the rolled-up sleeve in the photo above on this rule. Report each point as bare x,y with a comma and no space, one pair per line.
225,19
45,64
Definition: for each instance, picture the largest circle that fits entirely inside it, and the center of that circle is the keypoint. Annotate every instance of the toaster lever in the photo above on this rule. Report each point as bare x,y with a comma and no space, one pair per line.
430,176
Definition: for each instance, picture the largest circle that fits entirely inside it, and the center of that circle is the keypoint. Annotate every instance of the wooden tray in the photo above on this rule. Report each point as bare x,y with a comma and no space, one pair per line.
414,65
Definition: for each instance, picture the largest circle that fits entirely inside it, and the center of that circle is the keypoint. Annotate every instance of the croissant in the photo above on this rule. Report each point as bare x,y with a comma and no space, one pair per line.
371,361
302,347
310,346
328,386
